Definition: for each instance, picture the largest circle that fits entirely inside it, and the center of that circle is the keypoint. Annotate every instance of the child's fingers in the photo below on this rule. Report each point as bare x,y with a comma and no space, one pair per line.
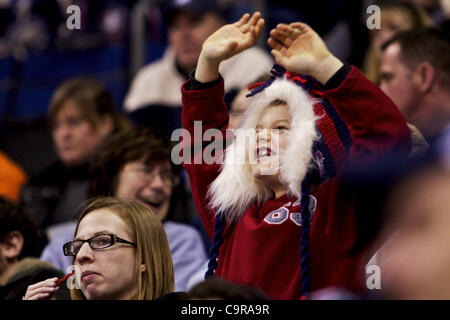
284,29
279,37
279,58
274,44
259,27
256,30
245,28
302,27
285,38
242,20
254,19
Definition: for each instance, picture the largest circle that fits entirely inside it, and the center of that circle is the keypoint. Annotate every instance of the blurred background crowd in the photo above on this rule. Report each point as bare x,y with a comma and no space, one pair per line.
82,110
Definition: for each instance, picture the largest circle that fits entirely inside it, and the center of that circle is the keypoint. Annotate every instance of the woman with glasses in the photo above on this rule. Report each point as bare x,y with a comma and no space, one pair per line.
136,165
120,252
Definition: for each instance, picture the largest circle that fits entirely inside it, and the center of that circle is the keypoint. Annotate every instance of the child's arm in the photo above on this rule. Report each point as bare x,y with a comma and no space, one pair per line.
225,43
298,48
376,126
203,101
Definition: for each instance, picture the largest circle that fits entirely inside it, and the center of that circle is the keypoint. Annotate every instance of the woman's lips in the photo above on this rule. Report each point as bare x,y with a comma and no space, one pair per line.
88,275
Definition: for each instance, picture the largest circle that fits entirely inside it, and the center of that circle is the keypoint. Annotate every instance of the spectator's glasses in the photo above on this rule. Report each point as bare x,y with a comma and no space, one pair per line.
150,173
100,241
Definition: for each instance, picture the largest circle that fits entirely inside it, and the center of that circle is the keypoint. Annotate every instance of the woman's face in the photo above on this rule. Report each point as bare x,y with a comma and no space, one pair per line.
75,138
271,140
109,273
151,186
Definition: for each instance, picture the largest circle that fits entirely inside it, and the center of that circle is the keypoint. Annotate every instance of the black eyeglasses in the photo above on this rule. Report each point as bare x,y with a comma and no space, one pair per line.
100,241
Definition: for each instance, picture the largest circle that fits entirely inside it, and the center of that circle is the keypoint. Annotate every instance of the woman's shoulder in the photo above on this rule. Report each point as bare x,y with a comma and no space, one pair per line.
180,232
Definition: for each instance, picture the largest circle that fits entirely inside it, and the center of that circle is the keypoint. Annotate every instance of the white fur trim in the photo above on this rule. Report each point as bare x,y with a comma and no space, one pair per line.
235,189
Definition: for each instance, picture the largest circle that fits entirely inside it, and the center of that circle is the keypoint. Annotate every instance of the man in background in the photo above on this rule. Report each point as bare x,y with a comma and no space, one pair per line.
154,98
415,74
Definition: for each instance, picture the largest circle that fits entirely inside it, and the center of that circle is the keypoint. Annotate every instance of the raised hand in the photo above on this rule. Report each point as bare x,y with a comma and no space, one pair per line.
226,42
299,48
233,38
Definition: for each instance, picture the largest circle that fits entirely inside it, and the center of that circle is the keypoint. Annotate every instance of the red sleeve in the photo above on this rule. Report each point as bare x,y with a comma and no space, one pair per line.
208,106
377,128
375,124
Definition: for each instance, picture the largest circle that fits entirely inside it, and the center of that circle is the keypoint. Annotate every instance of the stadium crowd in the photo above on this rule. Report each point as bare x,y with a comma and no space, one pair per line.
262,150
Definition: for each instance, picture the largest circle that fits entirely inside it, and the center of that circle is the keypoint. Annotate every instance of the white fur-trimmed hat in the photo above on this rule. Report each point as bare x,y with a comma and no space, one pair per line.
317,142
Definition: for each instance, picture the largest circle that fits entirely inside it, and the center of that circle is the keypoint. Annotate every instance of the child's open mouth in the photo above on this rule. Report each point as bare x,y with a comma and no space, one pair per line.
263,152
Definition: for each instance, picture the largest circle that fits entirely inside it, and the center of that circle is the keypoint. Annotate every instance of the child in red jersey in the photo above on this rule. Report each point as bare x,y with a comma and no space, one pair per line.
286,231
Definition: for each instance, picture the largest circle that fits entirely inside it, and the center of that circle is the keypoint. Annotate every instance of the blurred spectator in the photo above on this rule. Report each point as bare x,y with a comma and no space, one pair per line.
36,25
395,16
415,261
439,10
415,73
21,241
136,165
220,289
154,98
81,115
12,178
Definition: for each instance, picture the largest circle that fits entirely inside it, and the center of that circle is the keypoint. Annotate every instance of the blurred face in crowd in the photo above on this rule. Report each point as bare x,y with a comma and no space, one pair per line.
109,273
75,138
415,263
425,3
11,245
398,81
150,185
187,33
392,20
271,140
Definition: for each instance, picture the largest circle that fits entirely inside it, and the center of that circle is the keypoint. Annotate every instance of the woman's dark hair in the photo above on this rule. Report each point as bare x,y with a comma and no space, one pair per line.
14,218
147,144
